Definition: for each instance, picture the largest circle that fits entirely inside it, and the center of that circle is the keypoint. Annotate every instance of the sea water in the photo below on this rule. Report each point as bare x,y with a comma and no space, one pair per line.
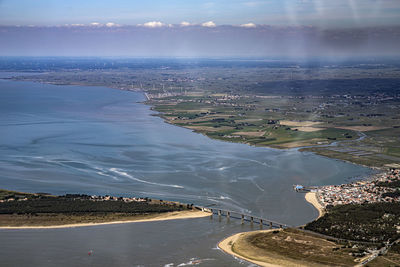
95,140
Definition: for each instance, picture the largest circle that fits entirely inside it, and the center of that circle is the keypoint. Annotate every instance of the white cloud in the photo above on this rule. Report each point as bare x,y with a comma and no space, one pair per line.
185,23
210,24
153,24
248,25
111,24
95,24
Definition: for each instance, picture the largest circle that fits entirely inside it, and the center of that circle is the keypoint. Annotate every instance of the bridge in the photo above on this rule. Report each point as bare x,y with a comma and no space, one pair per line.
244,217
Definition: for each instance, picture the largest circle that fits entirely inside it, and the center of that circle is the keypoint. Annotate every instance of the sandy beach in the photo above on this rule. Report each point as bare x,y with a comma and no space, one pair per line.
226,246
176,215
266,261
285,247
311,197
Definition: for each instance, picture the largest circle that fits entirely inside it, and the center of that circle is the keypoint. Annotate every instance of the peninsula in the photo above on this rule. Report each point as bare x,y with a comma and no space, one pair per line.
358,223
40,210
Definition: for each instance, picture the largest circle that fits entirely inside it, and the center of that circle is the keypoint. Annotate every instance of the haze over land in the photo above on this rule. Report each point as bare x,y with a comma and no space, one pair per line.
199,41
298,29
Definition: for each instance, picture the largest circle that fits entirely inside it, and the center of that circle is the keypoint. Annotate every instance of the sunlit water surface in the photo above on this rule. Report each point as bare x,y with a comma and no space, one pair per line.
94,140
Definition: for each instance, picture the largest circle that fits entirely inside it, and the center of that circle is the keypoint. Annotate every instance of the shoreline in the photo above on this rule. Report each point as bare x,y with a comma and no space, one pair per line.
226,246
152,105
160,114
176,215
311,197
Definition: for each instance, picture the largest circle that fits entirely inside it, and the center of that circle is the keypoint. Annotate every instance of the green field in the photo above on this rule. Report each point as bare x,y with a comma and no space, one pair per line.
247,104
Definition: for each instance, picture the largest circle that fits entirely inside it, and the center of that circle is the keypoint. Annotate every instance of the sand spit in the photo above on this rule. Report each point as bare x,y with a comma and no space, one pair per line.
227,244
176,215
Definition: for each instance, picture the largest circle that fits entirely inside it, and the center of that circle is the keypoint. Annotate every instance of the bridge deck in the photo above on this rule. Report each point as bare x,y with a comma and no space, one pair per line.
245,217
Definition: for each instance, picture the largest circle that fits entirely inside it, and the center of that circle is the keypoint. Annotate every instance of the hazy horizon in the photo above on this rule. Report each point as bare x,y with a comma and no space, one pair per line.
199,41
239,28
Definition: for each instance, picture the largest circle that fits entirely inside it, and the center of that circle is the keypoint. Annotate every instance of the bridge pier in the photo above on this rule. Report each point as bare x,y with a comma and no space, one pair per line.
253,220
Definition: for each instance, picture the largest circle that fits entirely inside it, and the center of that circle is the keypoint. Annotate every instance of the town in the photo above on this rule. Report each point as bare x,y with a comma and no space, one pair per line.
383,188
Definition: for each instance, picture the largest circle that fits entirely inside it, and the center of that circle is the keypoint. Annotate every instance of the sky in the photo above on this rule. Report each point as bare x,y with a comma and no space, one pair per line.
324,13
199,27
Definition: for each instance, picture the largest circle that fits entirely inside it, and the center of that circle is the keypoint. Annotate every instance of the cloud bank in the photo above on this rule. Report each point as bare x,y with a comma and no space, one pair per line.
209,24
249,25
156,38
153,24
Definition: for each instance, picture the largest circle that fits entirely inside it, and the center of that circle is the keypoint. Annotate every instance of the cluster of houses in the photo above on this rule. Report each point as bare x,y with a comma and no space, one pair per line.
83,197
111,198
361,192
13,199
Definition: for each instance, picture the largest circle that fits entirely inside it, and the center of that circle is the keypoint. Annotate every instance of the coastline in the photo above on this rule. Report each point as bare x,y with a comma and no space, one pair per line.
176,215
226,246
307,148
311,197
160,114
286,247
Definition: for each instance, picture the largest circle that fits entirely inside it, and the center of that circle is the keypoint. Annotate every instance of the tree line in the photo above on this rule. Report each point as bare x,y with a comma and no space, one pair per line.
375,222
81,205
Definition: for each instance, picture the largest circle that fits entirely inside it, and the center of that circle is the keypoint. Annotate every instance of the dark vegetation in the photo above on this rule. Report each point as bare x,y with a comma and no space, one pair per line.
391,184
73,204
395,248
392,194
375,222
359,87
6,195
